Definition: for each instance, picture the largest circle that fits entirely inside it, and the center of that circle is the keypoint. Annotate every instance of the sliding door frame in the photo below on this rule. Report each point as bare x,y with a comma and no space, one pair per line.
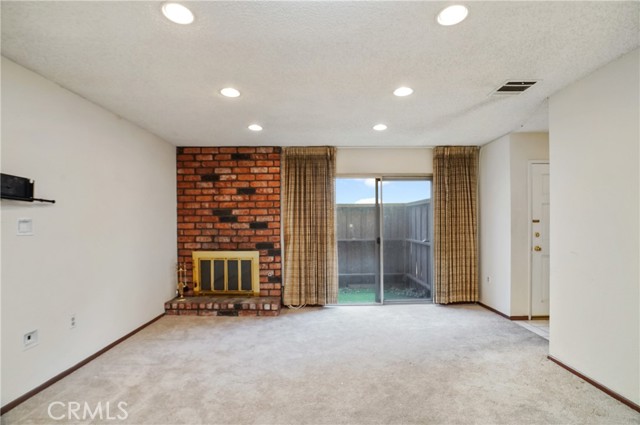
381,215
379,204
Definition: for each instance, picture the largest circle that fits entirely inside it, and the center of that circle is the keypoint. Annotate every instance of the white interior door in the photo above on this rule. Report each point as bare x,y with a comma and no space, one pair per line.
539,239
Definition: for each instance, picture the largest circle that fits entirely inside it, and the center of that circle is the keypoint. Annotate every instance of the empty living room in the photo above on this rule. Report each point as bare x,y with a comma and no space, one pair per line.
320,212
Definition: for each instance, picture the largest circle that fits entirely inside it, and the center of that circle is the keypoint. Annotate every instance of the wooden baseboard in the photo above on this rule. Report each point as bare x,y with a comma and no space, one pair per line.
7,407
596,384
502,314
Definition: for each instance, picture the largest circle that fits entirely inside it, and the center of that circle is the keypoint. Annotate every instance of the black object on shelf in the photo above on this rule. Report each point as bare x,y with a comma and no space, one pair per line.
19,189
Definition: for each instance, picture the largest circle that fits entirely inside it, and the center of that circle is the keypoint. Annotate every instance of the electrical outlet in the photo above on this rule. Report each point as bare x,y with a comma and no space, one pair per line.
488,279
30,339
72,321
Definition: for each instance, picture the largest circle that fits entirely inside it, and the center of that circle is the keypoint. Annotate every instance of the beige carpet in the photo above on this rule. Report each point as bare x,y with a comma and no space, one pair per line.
404,364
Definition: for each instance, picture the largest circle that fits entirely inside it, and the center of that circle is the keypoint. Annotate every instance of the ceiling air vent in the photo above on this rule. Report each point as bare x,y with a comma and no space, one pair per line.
514,87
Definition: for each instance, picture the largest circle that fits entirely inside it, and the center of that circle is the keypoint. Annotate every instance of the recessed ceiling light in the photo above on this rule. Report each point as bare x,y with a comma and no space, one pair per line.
175,12
229,92
255,127
452,15
403,91
379,127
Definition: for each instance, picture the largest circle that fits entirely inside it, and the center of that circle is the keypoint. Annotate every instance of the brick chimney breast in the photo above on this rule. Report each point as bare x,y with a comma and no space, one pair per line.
229,199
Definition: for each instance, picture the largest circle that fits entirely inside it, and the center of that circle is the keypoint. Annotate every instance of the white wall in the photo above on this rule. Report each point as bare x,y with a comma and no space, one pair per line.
504,220
525,147
495,225
595,280
105,251
384,161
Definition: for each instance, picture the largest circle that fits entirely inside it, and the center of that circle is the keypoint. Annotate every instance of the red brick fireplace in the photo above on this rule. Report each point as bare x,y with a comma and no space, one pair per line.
229,199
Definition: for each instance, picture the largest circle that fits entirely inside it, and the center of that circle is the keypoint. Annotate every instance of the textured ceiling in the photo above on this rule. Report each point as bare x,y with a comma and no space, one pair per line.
319,73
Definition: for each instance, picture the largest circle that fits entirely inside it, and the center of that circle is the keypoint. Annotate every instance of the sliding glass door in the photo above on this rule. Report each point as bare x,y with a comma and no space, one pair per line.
406,240
358,223
384,224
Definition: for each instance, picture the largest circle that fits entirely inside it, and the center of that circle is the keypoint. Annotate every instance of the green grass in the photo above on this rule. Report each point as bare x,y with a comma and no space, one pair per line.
361,296
368,296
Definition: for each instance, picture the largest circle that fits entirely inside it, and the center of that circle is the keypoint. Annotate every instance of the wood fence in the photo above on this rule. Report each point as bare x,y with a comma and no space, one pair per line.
406,243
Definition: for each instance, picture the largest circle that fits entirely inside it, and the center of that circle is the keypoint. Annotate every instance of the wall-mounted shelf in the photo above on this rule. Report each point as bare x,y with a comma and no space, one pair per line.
17,198
19,189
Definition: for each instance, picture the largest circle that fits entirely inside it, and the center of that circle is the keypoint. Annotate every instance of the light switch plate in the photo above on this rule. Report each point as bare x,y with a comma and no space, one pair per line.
25,227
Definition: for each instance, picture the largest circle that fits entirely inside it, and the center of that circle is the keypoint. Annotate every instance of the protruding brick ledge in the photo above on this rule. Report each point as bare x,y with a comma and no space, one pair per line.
224,306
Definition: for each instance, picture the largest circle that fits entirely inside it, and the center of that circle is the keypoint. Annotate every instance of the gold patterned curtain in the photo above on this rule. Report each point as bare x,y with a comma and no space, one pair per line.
455,189
310,250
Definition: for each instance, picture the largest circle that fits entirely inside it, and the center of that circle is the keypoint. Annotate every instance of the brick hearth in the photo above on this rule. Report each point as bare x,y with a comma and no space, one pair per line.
224,306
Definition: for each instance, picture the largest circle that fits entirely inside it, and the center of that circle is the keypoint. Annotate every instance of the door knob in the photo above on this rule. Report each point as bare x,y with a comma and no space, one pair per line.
537,248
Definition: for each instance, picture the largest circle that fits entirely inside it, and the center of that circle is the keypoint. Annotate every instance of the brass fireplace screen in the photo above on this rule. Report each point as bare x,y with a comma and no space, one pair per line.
226,272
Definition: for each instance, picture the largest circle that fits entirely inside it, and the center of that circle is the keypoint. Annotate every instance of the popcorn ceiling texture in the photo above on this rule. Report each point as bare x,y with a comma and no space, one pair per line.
319,73
229,200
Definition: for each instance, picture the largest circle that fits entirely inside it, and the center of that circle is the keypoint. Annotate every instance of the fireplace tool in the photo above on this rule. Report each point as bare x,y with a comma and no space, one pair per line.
182,269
